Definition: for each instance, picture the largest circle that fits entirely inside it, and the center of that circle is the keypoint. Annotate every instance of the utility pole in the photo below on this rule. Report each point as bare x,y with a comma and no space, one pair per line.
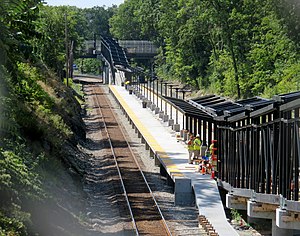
67,49
71,60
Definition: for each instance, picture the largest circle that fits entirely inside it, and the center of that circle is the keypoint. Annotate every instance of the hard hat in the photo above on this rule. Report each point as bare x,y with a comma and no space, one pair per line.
198,136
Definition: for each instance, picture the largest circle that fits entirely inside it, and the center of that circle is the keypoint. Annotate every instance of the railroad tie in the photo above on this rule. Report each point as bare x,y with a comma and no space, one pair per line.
207,226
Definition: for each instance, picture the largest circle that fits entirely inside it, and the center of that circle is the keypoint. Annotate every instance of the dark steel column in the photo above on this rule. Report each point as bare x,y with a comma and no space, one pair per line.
200,128
176,94
157,92
195,126
209,132
204,132
171,107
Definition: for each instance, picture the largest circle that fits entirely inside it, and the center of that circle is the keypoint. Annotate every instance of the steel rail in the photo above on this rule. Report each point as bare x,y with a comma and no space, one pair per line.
138,166
118,169
142,173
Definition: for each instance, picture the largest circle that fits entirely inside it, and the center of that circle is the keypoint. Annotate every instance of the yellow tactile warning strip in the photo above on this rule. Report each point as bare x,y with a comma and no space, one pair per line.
163,156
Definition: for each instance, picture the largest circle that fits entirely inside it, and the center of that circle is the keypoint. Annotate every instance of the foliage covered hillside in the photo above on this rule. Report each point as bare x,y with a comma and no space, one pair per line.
230,47
40,118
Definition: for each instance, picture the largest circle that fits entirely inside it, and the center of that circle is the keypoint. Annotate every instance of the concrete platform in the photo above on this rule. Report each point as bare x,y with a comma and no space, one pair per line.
173,156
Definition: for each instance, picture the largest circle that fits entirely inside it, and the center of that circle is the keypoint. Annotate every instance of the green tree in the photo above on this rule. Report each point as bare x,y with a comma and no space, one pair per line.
124,24
98,20
51,26
235,48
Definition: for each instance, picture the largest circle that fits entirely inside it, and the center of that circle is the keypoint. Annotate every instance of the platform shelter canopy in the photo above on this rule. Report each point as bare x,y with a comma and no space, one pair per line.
188,109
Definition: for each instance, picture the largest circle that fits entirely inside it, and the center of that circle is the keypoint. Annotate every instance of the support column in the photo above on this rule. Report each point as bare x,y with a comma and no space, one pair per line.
161,114
152,107
287,220
176,127
170,122
195,126
269,211
236,202
157,110
209,133
183,192
200,128
276,231
165,118
204,132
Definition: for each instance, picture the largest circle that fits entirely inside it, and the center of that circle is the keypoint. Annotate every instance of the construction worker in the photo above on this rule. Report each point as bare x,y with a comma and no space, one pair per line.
211,149
197,146
190,147
127,83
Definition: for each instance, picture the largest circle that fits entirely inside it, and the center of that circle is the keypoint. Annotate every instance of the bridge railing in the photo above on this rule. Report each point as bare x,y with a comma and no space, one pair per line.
138,47
262,157
106,53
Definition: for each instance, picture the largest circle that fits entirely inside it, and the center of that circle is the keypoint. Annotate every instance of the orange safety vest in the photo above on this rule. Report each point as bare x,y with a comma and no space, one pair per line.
190,145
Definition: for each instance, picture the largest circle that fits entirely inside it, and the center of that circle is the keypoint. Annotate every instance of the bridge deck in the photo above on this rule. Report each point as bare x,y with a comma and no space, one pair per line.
173,156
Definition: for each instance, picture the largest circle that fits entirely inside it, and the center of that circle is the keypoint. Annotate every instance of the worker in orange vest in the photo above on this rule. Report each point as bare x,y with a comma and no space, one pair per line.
190,147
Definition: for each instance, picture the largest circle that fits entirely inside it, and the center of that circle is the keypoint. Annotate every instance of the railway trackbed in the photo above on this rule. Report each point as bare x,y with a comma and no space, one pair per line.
146,215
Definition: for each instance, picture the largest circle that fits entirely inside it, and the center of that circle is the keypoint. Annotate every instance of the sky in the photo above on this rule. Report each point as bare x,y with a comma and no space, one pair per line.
84,3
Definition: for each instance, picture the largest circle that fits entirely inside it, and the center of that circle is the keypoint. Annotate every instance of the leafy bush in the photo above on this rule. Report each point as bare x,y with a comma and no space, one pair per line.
28,88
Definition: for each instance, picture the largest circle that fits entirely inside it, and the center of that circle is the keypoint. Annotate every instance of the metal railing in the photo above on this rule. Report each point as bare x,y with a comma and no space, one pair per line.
262,157
139,47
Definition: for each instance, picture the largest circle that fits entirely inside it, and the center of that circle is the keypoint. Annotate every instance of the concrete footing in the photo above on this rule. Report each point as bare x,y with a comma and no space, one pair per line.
261,210
149,103
183,192
161,114
176,127
156,111
236,202
280,225
287,220
170,122
165,118
277,231
152,107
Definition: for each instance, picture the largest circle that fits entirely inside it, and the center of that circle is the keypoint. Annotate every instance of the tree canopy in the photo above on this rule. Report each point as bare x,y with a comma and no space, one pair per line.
235,48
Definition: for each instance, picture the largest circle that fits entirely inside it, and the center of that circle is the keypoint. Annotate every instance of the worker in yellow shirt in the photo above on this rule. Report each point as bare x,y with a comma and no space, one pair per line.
211,149
197,146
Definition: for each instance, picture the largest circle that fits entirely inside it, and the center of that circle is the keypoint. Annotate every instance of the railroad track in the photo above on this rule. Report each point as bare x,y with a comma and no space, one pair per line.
146,215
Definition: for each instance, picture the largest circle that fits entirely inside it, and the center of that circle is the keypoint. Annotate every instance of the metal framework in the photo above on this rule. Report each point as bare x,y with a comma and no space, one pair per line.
195,120
139,48
258,140
261,151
